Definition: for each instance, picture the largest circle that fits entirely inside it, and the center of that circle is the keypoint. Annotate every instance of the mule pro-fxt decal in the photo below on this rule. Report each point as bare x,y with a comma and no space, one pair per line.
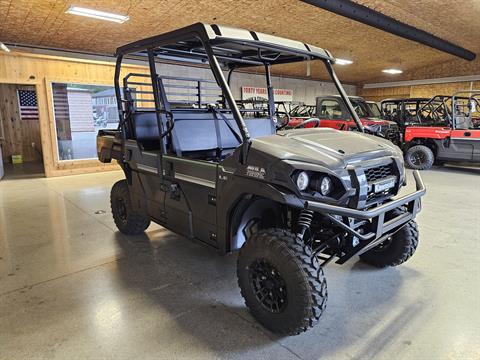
256,171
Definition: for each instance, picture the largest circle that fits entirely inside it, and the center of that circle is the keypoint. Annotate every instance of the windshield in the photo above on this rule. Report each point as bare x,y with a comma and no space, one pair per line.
365,110
374,110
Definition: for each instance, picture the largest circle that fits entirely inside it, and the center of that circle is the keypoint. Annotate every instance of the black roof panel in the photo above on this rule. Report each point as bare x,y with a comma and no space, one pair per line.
230,45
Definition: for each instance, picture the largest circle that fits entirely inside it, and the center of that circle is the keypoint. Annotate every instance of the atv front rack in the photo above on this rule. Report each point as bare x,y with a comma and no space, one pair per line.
382,228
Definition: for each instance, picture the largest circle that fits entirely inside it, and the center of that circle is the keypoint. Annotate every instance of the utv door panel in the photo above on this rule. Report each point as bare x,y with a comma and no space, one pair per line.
147,182
147,188
462,143
190,199
475,139
450,149
469,141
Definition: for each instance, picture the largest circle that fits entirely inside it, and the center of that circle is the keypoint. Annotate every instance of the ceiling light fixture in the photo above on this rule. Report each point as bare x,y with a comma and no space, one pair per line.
343,62
4,47
392,71
102,15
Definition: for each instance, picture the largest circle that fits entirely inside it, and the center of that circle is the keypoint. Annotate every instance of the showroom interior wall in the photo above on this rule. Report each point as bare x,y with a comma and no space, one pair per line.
426,81
21,137
42,70
420,90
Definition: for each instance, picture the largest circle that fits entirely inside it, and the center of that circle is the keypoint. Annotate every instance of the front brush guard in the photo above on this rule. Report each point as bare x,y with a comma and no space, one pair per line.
376,217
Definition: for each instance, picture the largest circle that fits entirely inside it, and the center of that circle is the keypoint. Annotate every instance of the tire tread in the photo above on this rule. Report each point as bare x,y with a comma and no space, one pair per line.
136,223
408,248
430,157
308,269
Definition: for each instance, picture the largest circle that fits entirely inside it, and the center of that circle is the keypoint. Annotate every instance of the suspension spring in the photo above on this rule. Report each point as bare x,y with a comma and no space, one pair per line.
304,221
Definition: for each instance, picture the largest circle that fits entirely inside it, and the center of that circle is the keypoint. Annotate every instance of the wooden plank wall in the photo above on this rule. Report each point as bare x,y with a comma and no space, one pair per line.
40,71
378,94
428,91
442,89
19,134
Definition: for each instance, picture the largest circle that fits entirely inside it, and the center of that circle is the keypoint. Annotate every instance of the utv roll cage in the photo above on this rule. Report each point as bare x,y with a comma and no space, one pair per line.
440,109
402,112
437,110
463,108
222,48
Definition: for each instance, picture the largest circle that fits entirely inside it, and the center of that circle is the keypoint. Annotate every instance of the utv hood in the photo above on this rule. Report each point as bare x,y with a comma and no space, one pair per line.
324,146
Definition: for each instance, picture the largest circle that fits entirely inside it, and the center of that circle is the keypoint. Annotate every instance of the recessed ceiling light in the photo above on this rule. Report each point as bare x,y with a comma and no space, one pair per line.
4,47
392,71
102,15
343,62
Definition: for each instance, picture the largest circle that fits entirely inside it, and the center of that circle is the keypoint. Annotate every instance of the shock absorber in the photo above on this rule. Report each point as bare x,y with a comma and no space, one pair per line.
304,221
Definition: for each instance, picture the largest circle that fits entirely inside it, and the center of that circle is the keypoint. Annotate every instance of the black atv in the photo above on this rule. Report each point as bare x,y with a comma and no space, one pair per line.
290,201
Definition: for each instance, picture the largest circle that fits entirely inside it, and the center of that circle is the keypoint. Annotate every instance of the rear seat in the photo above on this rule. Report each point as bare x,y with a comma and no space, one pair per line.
146,130
198,134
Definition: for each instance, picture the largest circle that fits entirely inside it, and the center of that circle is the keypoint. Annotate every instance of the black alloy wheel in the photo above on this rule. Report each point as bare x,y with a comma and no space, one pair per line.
268,286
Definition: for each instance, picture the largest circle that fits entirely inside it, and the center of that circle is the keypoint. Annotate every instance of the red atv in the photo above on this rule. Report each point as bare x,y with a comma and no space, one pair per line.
448,130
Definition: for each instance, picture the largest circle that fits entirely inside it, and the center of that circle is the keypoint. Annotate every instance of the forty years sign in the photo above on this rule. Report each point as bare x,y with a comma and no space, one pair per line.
260,92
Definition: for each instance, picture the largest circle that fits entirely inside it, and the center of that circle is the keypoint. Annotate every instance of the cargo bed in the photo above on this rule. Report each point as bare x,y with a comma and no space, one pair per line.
109,145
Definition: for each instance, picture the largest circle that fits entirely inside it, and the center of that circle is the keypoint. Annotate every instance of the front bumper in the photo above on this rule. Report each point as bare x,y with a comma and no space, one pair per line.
380,228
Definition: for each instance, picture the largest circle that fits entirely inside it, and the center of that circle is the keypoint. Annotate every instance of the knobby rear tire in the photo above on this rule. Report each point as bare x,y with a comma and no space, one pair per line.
128,220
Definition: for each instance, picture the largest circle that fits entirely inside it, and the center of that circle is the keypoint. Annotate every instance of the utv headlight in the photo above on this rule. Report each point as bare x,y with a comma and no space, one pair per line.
326,186
302,181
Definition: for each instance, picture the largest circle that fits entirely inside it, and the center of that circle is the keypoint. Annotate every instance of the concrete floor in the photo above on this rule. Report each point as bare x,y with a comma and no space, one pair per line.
71,286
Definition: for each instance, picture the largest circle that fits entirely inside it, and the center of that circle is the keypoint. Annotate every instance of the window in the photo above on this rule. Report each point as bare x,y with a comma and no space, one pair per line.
80,111
411,112
373,110
330,109
359,110
391,111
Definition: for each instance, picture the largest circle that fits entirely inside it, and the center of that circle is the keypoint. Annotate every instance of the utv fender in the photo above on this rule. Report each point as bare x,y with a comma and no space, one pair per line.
236,199
251,214
430,143
136,187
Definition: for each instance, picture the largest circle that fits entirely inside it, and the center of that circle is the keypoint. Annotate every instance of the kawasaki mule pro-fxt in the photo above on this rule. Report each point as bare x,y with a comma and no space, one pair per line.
290,201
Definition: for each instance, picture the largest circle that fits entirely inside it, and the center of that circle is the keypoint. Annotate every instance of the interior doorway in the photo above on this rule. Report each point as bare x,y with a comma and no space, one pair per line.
20,141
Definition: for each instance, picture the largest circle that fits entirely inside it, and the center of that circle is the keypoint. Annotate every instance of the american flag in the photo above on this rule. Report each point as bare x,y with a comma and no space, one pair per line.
27,102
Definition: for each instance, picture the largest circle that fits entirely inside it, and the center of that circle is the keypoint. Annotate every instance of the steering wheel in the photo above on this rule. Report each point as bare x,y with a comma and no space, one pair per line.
308,121
287,115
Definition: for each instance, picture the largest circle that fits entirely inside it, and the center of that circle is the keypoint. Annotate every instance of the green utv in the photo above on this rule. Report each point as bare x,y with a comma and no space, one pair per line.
290,201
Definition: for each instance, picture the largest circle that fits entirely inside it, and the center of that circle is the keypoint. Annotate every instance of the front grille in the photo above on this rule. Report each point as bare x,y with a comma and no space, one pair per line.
379,172
390,132
391,135
373,197
376,174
